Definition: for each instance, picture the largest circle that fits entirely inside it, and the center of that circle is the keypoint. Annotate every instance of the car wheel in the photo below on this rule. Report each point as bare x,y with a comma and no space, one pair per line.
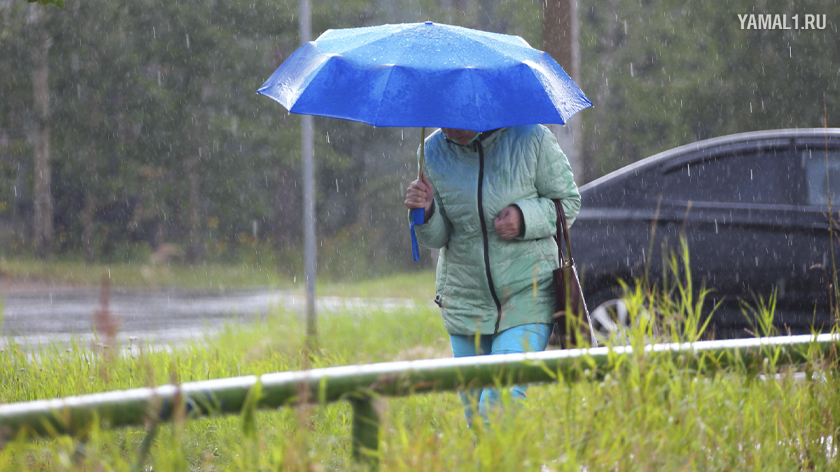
611,320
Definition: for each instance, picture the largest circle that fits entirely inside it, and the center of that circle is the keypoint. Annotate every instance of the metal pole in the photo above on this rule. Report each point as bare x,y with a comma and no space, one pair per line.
145,448
309,250
74,415
366,421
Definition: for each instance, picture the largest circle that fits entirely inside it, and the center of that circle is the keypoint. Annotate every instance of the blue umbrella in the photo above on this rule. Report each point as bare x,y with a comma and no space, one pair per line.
425,75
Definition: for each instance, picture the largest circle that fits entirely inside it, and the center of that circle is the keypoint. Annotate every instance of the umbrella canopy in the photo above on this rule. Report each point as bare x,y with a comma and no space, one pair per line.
425,75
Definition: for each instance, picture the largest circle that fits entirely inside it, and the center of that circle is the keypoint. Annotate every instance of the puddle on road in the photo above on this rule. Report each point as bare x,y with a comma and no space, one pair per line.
159,318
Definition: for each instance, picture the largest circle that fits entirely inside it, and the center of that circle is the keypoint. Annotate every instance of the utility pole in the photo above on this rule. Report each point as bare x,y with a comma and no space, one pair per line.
309,254
560,41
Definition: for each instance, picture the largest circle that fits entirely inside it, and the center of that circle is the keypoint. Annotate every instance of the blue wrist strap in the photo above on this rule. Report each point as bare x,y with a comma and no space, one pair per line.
418,217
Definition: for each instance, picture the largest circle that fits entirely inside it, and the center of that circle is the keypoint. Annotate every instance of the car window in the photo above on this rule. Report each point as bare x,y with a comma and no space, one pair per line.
766,177
822,172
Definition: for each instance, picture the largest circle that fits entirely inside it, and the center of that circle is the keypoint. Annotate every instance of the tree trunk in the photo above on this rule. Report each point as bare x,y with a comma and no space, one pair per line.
43,218
195,245
287,213
560,41
558,37
88,215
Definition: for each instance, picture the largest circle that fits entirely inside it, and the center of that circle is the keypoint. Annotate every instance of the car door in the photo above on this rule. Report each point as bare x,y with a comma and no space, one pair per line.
819,161
735,205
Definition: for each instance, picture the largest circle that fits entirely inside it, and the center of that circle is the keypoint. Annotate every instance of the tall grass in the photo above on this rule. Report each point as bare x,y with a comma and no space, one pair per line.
651,414
674,309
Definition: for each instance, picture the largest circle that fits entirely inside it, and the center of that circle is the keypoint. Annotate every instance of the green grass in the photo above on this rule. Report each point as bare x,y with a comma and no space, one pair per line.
143,275
405,285
650,415
208,277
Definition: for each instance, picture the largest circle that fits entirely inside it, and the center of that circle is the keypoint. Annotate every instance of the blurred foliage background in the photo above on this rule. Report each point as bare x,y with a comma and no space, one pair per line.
159,148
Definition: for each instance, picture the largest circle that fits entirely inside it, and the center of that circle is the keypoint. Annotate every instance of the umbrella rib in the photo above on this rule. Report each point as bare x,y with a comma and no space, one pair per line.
390,74
497,44
480,124
503,50
382,97
473,70
569,108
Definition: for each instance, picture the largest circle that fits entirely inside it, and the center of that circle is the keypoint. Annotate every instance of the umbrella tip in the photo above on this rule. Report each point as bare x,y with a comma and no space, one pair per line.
429,23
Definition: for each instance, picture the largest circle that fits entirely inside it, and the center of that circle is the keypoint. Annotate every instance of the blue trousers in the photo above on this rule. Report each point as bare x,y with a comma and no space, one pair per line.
525,338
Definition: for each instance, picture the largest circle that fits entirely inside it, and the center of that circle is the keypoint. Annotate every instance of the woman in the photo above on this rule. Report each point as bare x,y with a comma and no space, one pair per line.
488,203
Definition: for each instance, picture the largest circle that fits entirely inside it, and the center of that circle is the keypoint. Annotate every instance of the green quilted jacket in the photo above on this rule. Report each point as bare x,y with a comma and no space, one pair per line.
486,284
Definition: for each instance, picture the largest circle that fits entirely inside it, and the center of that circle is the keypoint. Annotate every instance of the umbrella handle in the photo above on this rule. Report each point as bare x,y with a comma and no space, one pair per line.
422,153
418,215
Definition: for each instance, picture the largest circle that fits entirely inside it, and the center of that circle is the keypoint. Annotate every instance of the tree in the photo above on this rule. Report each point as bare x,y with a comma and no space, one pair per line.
40,132
669,73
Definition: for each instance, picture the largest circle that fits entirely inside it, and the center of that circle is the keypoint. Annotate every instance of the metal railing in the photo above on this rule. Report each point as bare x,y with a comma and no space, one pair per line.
361,384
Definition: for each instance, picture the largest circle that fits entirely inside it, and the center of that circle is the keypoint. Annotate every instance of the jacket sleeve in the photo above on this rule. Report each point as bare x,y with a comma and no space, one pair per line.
554,180
434,234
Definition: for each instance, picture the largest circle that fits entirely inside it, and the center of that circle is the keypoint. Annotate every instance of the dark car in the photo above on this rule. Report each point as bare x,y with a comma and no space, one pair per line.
754,209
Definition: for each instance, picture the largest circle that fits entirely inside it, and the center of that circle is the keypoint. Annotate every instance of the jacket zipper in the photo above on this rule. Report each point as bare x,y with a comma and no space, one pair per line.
484,236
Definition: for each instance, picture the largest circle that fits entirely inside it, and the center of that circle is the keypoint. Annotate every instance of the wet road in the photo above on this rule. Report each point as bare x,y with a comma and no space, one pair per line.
156,317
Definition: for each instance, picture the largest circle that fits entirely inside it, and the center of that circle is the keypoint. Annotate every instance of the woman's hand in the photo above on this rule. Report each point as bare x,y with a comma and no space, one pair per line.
420,194
509,222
